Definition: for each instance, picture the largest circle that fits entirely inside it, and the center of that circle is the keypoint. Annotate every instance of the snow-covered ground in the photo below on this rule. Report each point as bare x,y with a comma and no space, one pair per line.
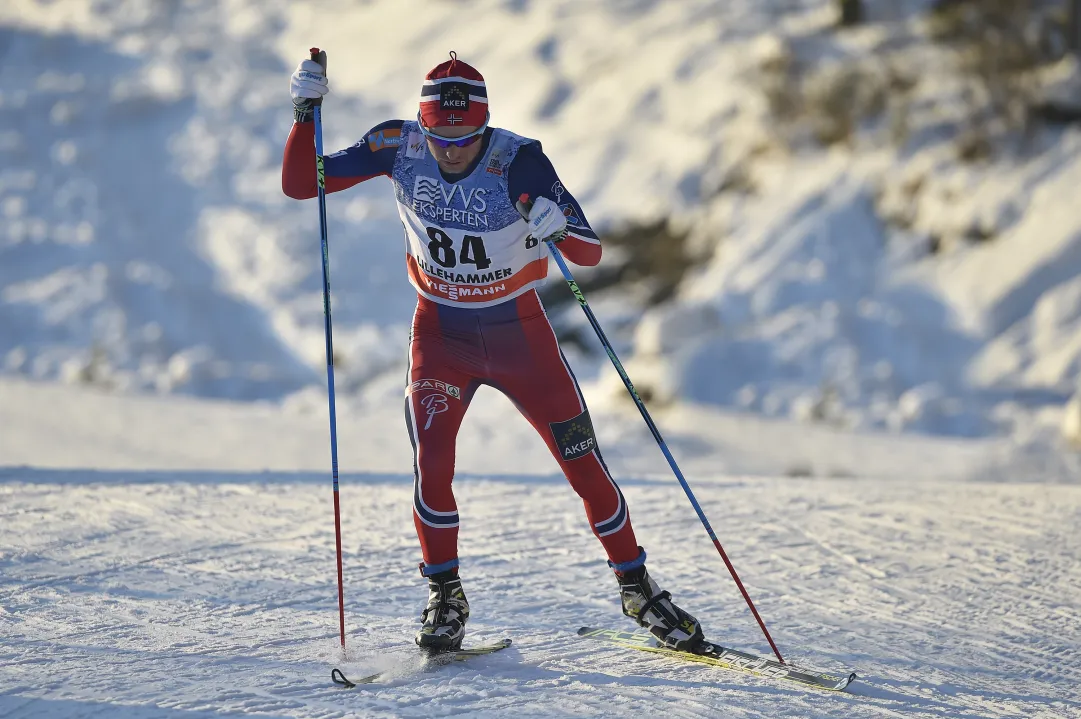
160,569
871,428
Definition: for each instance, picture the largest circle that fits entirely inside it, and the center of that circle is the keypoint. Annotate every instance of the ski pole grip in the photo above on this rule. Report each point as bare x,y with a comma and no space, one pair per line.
319,56
524,205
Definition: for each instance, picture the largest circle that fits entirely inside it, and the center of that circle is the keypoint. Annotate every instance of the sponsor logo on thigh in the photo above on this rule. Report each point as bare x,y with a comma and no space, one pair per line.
574,437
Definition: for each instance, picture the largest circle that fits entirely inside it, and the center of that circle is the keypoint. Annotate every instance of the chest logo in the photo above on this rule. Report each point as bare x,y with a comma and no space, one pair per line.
430,190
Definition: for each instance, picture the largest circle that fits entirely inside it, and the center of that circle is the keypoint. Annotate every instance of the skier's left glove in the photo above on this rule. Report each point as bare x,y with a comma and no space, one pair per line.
546,221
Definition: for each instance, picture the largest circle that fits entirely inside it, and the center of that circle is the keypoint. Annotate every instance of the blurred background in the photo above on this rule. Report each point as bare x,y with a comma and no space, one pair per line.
858,215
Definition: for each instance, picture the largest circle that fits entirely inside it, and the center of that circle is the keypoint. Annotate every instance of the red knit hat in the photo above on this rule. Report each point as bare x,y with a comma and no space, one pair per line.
453,95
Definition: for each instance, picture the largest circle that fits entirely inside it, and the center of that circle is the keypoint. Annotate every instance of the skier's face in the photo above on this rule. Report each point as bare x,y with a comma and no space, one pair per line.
455,159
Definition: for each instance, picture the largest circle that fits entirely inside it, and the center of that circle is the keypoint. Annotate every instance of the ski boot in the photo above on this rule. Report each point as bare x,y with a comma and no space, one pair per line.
644,602
446,614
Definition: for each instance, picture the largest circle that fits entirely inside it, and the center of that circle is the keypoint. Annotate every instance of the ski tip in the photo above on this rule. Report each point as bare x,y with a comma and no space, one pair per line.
843,684
583,630
505,641
338,678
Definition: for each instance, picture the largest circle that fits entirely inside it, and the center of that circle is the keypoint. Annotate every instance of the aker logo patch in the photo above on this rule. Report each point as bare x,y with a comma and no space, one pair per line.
454,96
574,437
384,138
435,385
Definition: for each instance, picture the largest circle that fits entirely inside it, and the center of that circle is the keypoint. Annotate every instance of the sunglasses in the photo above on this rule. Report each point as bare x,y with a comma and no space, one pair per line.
444,142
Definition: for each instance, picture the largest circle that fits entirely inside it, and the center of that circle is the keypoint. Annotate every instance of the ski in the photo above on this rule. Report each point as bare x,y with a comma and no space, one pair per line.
718,656
434,659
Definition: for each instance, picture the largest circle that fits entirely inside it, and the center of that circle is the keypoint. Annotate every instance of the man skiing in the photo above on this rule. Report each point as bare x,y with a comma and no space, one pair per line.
475,263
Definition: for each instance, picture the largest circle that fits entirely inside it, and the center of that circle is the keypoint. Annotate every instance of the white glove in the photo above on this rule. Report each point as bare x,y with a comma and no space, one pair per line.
308,83
546,221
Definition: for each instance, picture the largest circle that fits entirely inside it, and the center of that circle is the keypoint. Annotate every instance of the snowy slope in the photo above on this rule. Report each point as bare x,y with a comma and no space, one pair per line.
146,245
72,427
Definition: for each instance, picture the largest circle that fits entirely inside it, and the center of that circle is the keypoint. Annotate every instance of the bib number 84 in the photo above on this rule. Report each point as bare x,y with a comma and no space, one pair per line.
441,248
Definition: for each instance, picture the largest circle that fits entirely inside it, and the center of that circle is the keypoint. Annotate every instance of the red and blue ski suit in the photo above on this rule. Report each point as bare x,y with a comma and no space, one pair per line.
484,326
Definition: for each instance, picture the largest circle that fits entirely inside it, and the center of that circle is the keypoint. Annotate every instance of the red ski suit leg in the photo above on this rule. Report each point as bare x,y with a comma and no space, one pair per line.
437,395
513,348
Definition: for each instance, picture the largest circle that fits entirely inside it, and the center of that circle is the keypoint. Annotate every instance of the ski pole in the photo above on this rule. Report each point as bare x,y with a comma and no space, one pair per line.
320,56
523,207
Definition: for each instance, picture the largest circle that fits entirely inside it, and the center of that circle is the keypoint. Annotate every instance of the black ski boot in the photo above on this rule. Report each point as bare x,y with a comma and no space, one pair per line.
644,602
446,614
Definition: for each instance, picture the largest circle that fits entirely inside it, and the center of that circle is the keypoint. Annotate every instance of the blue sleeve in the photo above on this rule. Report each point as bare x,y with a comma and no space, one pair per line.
532,173
372,156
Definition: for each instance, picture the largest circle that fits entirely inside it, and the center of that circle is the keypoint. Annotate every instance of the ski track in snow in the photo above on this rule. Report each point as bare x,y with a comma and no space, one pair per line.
208,594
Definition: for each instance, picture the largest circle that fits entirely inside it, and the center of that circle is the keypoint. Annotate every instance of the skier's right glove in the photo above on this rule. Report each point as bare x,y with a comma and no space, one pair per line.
307,85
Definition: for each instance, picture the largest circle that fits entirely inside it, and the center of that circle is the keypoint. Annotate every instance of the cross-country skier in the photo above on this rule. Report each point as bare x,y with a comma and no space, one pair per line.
475,263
